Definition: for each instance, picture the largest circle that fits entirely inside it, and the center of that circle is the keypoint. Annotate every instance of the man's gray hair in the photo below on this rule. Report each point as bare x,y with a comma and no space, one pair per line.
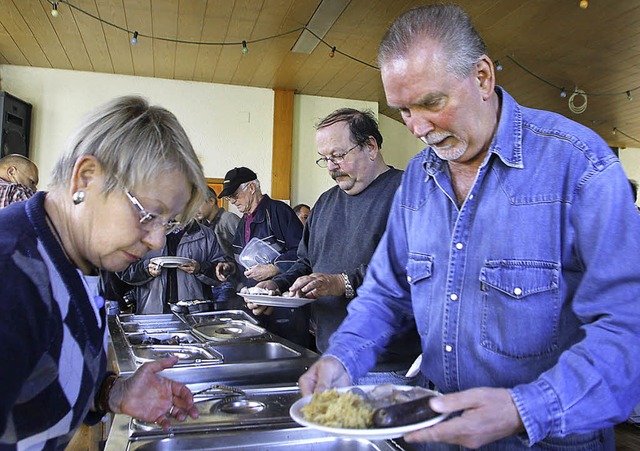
445,23
135,143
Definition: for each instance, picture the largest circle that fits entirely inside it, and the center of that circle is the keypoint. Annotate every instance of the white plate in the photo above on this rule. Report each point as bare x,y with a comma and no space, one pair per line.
371,434
275,301
171,262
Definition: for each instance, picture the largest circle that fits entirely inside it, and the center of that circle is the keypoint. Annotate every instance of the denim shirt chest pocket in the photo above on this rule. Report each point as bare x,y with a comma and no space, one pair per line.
419,276
520,307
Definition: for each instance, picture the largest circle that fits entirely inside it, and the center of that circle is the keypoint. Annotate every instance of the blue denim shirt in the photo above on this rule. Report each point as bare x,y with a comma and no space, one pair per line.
532,284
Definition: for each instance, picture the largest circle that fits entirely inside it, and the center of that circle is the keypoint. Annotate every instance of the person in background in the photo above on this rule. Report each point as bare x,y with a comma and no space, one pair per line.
275,223
510,244
223,223
330,265
106,209
302,211
18,179
157,287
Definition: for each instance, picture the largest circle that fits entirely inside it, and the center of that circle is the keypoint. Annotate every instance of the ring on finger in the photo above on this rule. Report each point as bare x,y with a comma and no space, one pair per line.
171,409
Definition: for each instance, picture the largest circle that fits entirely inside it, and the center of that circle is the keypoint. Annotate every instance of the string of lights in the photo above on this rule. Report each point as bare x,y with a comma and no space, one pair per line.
135,36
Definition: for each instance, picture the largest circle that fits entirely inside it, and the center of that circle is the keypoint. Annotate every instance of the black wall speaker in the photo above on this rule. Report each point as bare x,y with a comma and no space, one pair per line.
16,125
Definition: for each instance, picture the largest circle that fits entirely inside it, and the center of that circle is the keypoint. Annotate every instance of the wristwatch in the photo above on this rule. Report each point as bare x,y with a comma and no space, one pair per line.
349,292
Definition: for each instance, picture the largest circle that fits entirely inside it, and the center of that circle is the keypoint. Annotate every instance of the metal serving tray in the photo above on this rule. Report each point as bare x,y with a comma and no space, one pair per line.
231,330
188,354
173,338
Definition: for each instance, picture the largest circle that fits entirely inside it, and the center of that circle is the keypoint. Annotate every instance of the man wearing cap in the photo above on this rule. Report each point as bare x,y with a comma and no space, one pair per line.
275,223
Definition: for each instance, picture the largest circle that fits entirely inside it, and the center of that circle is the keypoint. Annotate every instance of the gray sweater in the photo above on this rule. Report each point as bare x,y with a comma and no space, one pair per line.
341,235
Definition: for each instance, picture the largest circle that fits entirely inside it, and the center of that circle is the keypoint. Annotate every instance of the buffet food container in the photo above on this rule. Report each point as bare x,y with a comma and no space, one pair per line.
257,420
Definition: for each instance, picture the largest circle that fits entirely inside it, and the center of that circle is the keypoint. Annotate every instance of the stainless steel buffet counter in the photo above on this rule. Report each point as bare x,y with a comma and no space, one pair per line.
243,377
223,346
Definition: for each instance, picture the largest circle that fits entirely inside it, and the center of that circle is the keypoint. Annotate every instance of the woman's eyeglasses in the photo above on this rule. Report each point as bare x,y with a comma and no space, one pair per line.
151,219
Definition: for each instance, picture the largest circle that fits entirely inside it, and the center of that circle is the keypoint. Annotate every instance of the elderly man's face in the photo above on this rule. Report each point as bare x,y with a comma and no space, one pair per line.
243,199
445,112
352,174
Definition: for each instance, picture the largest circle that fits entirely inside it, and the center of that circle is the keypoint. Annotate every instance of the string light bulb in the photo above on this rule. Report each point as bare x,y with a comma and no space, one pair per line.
134,39
563,93
332,53
584,4
614,130
498,66
245,49
629,96
54,9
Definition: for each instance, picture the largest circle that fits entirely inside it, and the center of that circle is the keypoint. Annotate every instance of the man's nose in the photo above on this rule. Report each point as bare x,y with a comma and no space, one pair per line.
331,165
419,124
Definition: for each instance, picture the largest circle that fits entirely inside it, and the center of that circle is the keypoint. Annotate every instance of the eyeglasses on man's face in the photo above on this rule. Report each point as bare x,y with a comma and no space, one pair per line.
152,220
234,197
335,159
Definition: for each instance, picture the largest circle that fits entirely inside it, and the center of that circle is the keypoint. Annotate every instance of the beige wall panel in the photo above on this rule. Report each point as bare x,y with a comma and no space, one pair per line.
14,24
191,15
118,41
92,35
165,25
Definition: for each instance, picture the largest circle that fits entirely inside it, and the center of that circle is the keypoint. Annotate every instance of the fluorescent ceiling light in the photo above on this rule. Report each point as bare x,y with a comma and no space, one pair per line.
320,23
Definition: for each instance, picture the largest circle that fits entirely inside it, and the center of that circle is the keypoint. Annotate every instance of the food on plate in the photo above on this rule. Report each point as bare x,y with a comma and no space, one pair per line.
410,412
339,410
383,406
258,290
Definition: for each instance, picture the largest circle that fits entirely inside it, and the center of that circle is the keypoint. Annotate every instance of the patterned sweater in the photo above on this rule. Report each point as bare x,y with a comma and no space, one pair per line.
51,336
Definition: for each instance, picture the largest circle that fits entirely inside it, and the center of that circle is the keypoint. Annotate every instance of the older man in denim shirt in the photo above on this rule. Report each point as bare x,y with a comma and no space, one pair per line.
512,242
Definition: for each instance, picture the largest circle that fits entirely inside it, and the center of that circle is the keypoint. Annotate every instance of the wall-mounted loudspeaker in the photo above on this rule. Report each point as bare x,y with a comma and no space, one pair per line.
16,125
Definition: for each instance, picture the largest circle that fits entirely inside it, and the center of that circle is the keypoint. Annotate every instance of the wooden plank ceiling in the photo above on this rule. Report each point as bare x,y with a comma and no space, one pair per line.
542,45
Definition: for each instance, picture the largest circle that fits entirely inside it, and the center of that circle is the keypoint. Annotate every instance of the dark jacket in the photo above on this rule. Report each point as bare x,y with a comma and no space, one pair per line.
198,243
277,224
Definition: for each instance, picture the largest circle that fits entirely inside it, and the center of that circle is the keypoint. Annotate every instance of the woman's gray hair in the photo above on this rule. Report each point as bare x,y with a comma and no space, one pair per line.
135,143
446,23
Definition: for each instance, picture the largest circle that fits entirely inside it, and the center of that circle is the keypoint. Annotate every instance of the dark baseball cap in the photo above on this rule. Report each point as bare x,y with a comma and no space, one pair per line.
235,178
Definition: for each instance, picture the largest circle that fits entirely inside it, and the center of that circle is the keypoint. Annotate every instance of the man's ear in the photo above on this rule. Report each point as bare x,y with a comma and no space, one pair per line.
485,75
11,171
371,147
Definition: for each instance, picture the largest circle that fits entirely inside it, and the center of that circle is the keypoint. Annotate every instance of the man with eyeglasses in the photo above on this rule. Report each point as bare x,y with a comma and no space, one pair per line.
275,223
342,232
18,179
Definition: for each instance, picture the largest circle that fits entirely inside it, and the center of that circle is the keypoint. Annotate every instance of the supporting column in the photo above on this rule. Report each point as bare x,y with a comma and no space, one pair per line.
282,144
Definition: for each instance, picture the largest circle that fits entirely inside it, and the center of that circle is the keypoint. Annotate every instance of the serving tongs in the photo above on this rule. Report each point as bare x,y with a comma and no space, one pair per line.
218,392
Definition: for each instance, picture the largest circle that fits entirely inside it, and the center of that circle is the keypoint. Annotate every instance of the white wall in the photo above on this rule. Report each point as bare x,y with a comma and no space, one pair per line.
630,159
228,125
398,144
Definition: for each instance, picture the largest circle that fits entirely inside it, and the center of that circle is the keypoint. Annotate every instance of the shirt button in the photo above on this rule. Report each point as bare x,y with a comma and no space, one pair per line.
470,196
448,348
409,279
517,291
459,246
453,297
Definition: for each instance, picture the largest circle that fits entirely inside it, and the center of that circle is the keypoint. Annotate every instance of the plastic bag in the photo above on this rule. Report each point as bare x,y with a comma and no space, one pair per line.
257,252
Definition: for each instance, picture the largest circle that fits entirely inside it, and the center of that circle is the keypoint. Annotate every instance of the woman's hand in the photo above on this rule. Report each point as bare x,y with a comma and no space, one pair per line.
149,397
224,270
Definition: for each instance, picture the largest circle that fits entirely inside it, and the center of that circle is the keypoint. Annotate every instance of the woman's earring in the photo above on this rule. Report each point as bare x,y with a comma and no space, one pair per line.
78,197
